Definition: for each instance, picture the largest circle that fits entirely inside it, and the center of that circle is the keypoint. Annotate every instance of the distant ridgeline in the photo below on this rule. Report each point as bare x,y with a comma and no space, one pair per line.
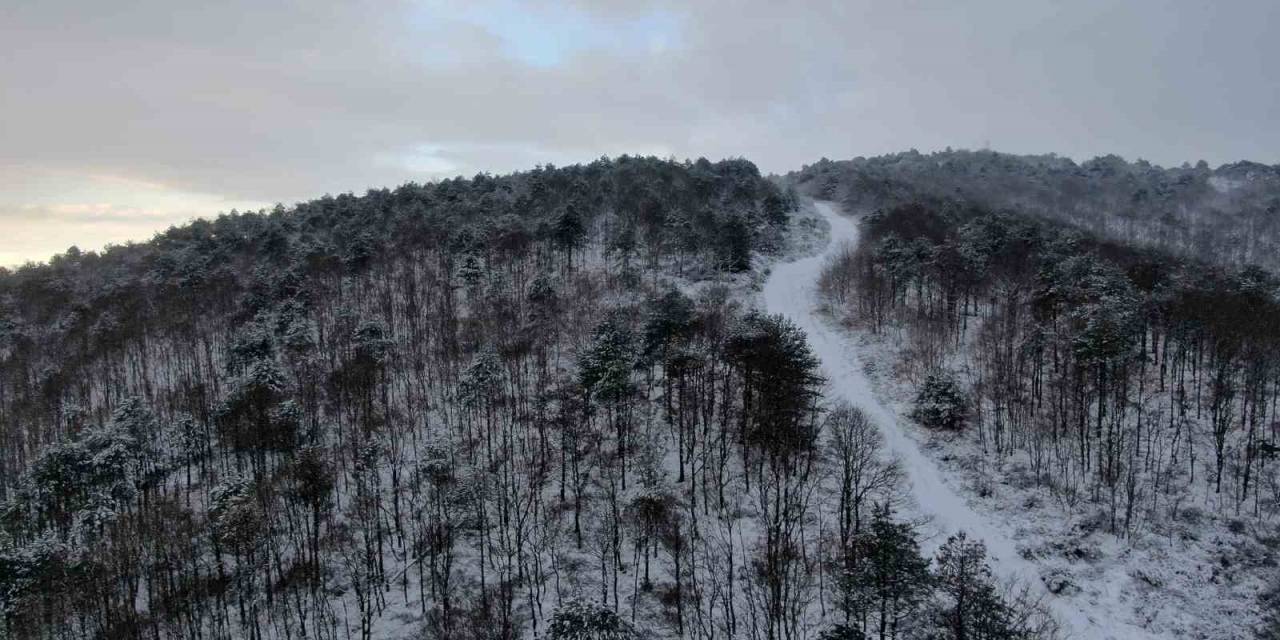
1228,215
159,400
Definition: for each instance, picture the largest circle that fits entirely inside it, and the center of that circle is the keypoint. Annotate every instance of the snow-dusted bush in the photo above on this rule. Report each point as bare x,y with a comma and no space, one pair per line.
841,632
582,620
940,403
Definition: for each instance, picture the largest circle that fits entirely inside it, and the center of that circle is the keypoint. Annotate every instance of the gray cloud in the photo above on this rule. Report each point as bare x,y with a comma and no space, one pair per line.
243,102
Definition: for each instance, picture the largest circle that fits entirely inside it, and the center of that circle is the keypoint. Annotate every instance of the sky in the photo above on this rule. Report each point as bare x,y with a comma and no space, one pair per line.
119,119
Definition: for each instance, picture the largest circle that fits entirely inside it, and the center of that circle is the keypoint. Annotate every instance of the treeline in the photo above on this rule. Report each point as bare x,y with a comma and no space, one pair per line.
1228,215
1130,378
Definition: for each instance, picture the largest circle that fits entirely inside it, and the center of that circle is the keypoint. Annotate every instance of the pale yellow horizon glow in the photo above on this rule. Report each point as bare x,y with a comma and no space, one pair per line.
44,213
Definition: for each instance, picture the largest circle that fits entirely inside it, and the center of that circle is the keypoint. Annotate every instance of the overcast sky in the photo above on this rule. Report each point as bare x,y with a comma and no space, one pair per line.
118,119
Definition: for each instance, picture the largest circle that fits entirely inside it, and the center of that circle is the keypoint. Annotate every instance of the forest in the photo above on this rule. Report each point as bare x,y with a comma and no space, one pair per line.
1111,366
1124,381
527,406
1228,215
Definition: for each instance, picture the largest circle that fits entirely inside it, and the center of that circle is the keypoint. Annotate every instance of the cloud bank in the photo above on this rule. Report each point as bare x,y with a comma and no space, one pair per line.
117,119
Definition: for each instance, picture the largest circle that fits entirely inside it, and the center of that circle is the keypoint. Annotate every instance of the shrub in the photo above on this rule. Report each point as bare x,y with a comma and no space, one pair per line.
940,403
841,632
582,620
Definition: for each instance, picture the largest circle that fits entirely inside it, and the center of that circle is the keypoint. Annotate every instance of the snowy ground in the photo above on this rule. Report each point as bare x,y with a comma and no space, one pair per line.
789,291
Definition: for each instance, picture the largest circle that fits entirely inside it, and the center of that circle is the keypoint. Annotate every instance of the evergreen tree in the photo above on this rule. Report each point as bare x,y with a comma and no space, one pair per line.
570,232
971,606
885,579
940,403
582,620
780,383
841,632
669,318
735,244
605,368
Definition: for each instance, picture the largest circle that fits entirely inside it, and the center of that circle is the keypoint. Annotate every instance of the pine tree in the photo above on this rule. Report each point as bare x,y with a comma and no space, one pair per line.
582,620
669,318
885,578
735,244
569,231
604,370
780,383
841,632
972,607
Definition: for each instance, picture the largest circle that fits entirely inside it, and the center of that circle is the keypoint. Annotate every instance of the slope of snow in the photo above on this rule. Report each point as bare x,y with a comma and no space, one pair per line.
790,291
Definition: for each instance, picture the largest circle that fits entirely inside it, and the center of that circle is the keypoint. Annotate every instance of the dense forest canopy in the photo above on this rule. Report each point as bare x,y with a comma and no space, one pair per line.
1228,215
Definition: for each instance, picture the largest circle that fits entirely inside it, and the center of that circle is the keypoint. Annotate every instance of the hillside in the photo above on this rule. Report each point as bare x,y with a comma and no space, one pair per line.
1227,215
1114,406
641,398
310,420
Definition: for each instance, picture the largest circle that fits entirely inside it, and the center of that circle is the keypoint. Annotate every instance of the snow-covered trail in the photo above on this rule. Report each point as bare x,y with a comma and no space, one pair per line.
790,291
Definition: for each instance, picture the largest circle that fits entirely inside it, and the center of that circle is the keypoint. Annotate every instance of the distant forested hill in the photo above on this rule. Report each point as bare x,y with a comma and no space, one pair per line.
1228,215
